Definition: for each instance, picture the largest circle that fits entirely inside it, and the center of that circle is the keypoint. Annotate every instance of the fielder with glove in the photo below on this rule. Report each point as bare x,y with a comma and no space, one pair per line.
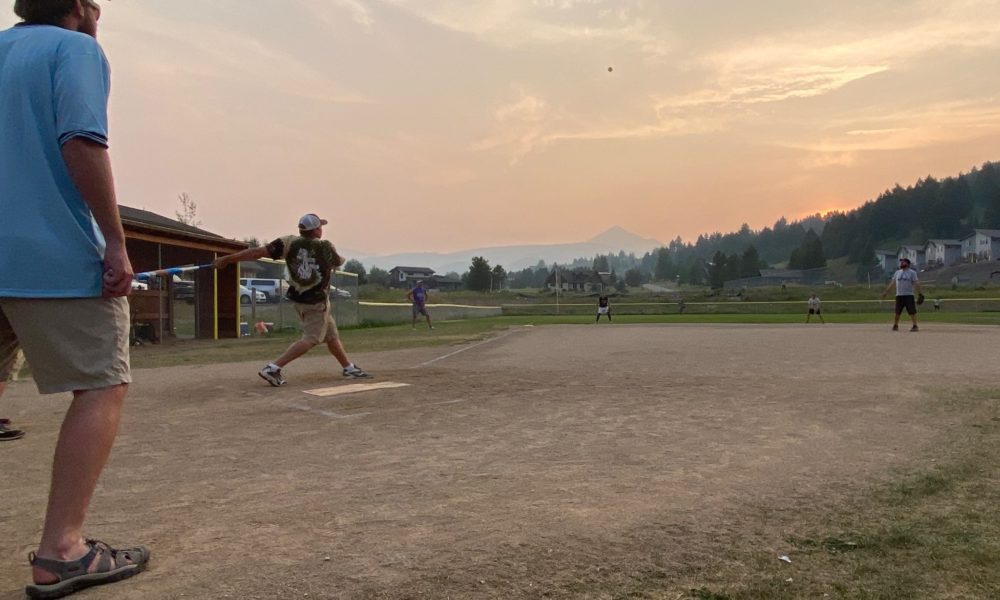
905,281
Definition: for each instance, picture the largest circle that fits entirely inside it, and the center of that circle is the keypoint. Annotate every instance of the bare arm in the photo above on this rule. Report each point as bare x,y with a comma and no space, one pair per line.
89,166
888,287
248,254
337,258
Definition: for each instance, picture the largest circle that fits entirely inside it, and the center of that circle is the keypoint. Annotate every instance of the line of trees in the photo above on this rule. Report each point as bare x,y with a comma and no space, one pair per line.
482,278
929,209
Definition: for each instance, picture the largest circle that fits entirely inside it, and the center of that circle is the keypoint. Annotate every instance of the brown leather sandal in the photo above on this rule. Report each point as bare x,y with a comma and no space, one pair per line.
112,565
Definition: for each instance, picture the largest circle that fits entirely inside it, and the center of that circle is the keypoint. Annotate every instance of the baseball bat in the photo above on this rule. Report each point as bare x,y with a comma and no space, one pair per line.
173,270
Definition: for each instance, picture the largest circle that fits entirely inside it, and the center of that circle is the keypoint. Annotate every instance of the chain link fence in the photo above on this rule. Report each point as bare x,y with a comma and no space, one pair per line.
389,313
264,306
750,307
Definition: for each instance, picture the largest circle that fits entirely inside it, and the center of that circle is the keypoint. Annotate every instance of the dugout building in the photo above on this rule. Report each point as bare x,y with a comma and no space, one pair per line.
205,305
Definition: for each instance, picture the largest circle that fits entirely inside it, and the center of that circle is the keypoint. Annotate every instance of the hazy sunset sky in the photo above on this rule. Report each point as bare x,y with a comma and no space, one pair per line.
440,125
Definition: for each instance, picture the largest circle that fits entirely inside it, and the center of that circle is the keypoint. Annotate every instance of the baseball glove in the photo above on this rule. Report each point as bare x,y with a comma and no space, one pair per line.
920,298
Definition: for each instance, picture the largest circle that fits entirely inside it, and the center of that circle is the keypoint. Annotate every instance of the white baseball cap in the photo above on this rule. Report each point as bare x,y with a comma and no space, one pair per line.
310,222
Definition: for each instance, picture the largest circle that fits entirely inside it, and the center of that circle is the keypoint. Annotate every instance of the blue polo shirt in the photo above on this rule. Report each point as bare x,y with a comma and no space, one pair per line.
54,86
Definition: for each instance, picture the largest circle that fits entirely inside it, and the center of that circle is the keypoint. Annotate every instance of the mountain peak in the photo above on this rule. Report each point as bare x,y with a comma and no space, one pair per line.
619,237
614,240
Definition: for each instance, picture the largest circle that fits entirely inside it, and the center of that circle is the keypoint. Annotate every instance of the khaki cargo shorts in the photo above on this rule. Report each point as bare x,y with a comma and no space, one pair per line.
318,325
70,343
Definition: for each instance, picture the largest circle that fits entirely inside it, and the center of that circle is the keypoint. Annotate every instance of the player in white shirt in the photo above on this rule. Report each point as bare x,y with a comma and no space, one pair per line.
905,280
815,308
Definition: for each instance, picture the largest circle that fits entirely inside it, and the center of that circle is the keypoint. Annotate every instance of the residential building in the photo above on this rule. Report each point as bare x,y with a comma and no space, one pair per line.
444,283
886,260
405,277
914,253
981,244
943,253
578,280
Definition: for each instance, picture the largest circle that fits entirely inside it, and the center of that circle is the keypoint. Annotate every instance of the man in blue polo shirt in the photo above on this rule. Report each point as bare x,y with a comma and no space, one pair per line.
64,271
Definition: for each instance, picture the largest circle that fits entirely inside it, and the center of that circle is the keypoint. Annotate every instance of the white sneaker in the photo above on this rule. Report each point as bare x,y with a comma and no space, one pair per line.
272,375
354,371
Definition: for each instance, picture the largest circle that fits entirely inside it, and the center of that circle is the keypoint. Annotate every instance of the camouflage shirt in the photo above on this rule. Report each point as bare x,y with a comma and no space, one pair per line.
309,262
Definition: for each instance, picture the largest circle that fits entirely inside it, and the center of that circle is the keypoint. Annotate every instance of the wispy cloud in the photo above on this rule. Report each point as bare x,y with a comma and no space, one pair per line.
202,53
431,101
926,128
331,12
513,24
730,85
929,125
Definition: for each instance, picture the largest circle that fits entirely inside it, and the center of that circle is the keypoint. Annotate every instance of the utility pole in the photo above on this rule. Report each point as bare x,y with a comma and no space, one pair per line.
558,286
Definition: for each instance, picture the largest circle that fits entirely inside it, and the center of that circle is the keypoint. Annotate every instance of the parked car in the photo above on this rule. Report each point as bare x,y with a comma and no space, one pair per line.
272,288
245,295
183,289
336,292
138,285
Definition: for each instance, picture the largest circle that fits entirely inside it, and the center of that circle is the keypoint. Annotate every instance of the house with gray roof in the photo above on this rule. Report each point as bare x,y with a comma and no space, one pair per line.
981,244
914,253
886,260
407,277
943,253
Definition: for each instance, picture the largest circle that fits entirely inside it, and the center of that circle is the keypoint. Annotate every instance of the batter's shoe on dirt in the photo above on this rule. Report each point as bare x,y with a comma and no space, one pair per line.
354,371
272,375
7,434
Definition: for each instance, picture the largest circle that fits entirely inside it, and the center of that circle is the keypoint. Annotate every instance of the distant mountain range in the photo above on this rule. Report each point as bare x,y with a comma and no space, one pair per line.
515,258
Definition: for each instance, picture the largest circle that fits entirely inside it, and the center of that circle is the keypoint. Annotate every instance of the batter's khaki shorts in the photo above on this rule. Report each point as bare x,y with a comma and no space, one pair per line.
71,343
318,325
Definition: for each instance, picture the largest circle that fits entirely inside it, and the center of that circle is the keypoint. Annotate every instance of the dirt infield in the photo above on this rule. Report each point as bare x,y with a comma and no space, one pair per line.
556,462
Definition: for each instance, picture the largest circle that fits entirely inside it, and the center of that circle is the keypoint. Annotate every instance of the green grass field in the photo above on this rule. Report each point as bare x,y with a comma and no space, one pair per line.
928,534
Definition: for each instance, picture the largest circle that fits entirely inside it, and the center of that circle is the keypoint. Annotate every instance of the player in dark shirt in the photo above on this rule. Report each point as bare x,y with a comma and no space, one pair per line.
603,308
309,262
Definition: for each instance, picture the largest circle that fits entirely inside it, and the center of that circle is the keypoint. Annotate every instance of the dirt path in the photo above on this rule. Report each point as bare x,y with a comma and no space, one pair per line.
554,462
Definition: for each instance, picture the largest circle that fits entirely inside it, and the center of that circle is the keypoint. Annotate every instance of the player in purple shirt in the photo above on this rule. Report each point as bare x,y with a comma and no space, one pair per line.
418,296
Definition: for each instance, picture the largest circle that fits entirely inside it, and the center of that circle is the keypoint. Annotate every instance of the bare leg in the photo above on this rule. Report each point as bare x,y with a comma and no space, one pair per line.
8,434
337,350
294,351
88,432
428,315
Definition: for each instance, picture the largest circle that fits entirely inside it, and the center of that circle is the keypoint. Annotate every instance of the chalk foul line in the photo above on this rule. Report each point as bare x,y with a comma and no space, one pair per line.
460,350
